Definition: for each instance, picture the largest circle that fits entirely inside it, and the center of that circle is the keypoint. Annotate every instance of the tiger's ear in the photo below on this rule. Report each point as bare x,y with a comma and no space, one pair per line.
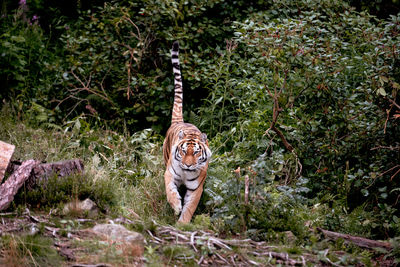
181,134
203,137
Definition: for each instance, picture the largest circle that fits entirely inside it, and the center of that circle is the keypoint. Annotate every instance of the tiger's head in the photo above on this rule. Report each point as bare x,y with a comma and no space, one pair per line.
192,151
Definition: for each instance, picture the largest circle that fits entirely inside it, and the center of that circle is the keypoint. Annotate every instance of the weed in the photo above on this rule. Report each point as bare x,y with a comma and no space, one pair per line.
28,250
153,259
179,253
105,251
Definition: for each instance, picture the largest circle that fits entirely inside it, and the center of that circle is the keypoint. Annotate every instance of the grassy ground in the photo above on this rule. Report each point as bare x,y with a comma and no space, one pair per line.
124,176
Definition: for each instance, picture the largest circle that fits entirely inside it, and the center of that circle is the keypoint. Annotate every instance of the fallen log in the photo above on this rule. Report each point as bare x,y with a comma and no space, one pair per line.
356,240
10,187
33,173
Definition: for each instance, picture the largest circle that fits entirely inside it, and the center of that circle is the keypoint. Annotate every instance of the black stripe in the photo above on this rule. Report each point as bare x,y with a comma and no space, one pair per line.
203,158
191,180
175,46
175,56
175,171
175,155
192,189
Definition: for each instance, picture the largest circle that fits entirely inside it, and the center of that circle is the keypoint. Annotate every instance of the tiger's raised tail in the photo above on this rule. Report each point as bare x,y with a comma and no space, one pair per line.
177,115
186,155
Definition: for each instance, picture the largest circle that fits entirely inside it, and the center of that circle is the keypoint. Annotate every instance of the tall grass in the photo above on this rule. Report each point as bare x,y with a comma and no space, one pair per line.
123,173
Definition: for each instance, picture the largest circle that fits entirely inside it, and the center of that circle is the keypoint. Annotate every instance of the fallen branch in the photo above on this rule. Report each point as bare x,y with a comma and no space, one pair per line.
221,249
356,240
279,256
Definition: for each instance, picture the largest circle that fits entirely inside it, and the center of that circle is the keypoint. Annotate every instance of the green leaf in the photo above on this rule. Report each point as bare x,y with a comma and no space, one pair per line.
364,192
381,91
383,79
18,39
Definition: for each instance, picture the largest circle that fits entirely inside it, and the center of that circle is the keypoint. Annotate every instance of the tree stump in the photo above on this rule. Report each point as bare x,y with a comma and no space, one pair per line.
42,172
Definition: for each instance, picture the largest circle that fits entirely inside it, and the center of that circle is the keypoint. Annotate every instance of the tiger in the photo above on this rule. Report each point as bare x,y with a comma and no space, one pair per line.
186,154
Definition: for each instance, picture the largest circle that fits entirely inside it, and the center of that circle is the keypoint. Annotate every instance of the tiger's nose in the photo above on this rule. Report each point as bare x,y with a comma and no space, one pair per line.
188,161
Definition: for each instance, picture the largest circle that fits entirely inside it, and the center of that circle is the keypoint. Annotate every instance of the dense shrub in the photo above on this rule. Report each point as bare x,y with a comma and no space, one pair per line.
332,72
24,55
112,61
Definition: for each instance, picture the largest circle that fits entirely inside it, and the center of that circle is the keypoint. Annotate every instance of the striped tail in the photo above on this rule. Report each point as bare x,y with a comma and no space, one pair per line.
178,99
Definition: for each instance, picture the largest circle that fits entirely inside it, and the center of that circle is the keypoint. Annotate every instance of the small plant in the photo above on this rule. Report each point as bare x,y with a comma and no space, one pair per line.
179,253
28,250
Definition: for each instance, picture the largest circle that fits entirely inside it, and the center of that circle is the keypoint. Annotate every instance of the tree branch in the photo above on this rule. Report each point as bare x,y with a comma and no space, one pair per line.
275,113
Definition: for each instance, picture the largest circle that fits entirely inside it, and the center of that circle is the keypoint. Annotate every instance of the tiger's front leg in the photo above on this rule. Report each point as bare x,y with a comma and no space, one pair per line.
191,201
173,196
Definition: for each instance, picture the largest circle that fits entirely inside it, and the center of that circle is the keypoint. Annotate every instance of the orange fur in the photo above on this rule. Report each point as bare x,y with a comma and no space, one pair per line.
186,155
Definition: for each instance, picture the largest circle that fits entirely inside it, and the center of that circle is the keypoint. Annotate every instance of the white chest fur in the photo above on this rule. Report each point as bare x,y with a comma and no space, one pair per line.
186,177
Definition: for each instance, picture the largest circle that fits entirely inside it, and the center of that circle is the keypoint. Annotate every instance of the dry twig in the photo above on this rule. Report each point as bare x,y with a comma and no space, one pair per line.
220,248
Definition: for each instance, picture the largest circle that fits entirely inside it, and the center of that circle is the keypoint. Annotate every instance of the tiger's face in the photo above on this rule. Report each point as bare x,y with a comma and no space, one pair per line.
192,152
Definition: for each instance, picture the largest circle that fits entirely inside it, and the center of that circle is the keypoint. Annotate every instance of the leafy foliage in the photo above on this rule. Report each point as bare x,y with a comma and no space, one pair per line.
110,61
336,92
301,95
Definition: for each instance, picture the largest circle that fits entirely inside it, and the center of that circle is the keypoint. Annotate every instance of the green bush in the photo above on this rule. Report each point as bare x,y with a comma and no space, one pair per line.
113,62
332,72
24,54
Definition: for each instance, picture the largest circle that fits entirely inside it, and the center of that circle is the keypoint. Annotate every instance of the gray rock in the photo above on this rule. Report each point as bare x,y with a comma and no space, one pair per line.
119,233
88,204
290,237
80,207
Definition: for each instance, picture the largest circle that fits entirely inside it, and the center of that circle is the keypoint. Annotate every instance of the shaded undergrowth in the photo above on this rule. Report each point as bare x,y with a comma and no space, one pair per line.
123,175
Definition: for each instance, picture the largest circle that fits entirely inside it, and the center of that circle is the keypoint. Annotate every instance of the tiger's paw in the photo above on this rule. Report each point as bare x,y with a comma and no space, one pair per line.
176,204
185,218
177,208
